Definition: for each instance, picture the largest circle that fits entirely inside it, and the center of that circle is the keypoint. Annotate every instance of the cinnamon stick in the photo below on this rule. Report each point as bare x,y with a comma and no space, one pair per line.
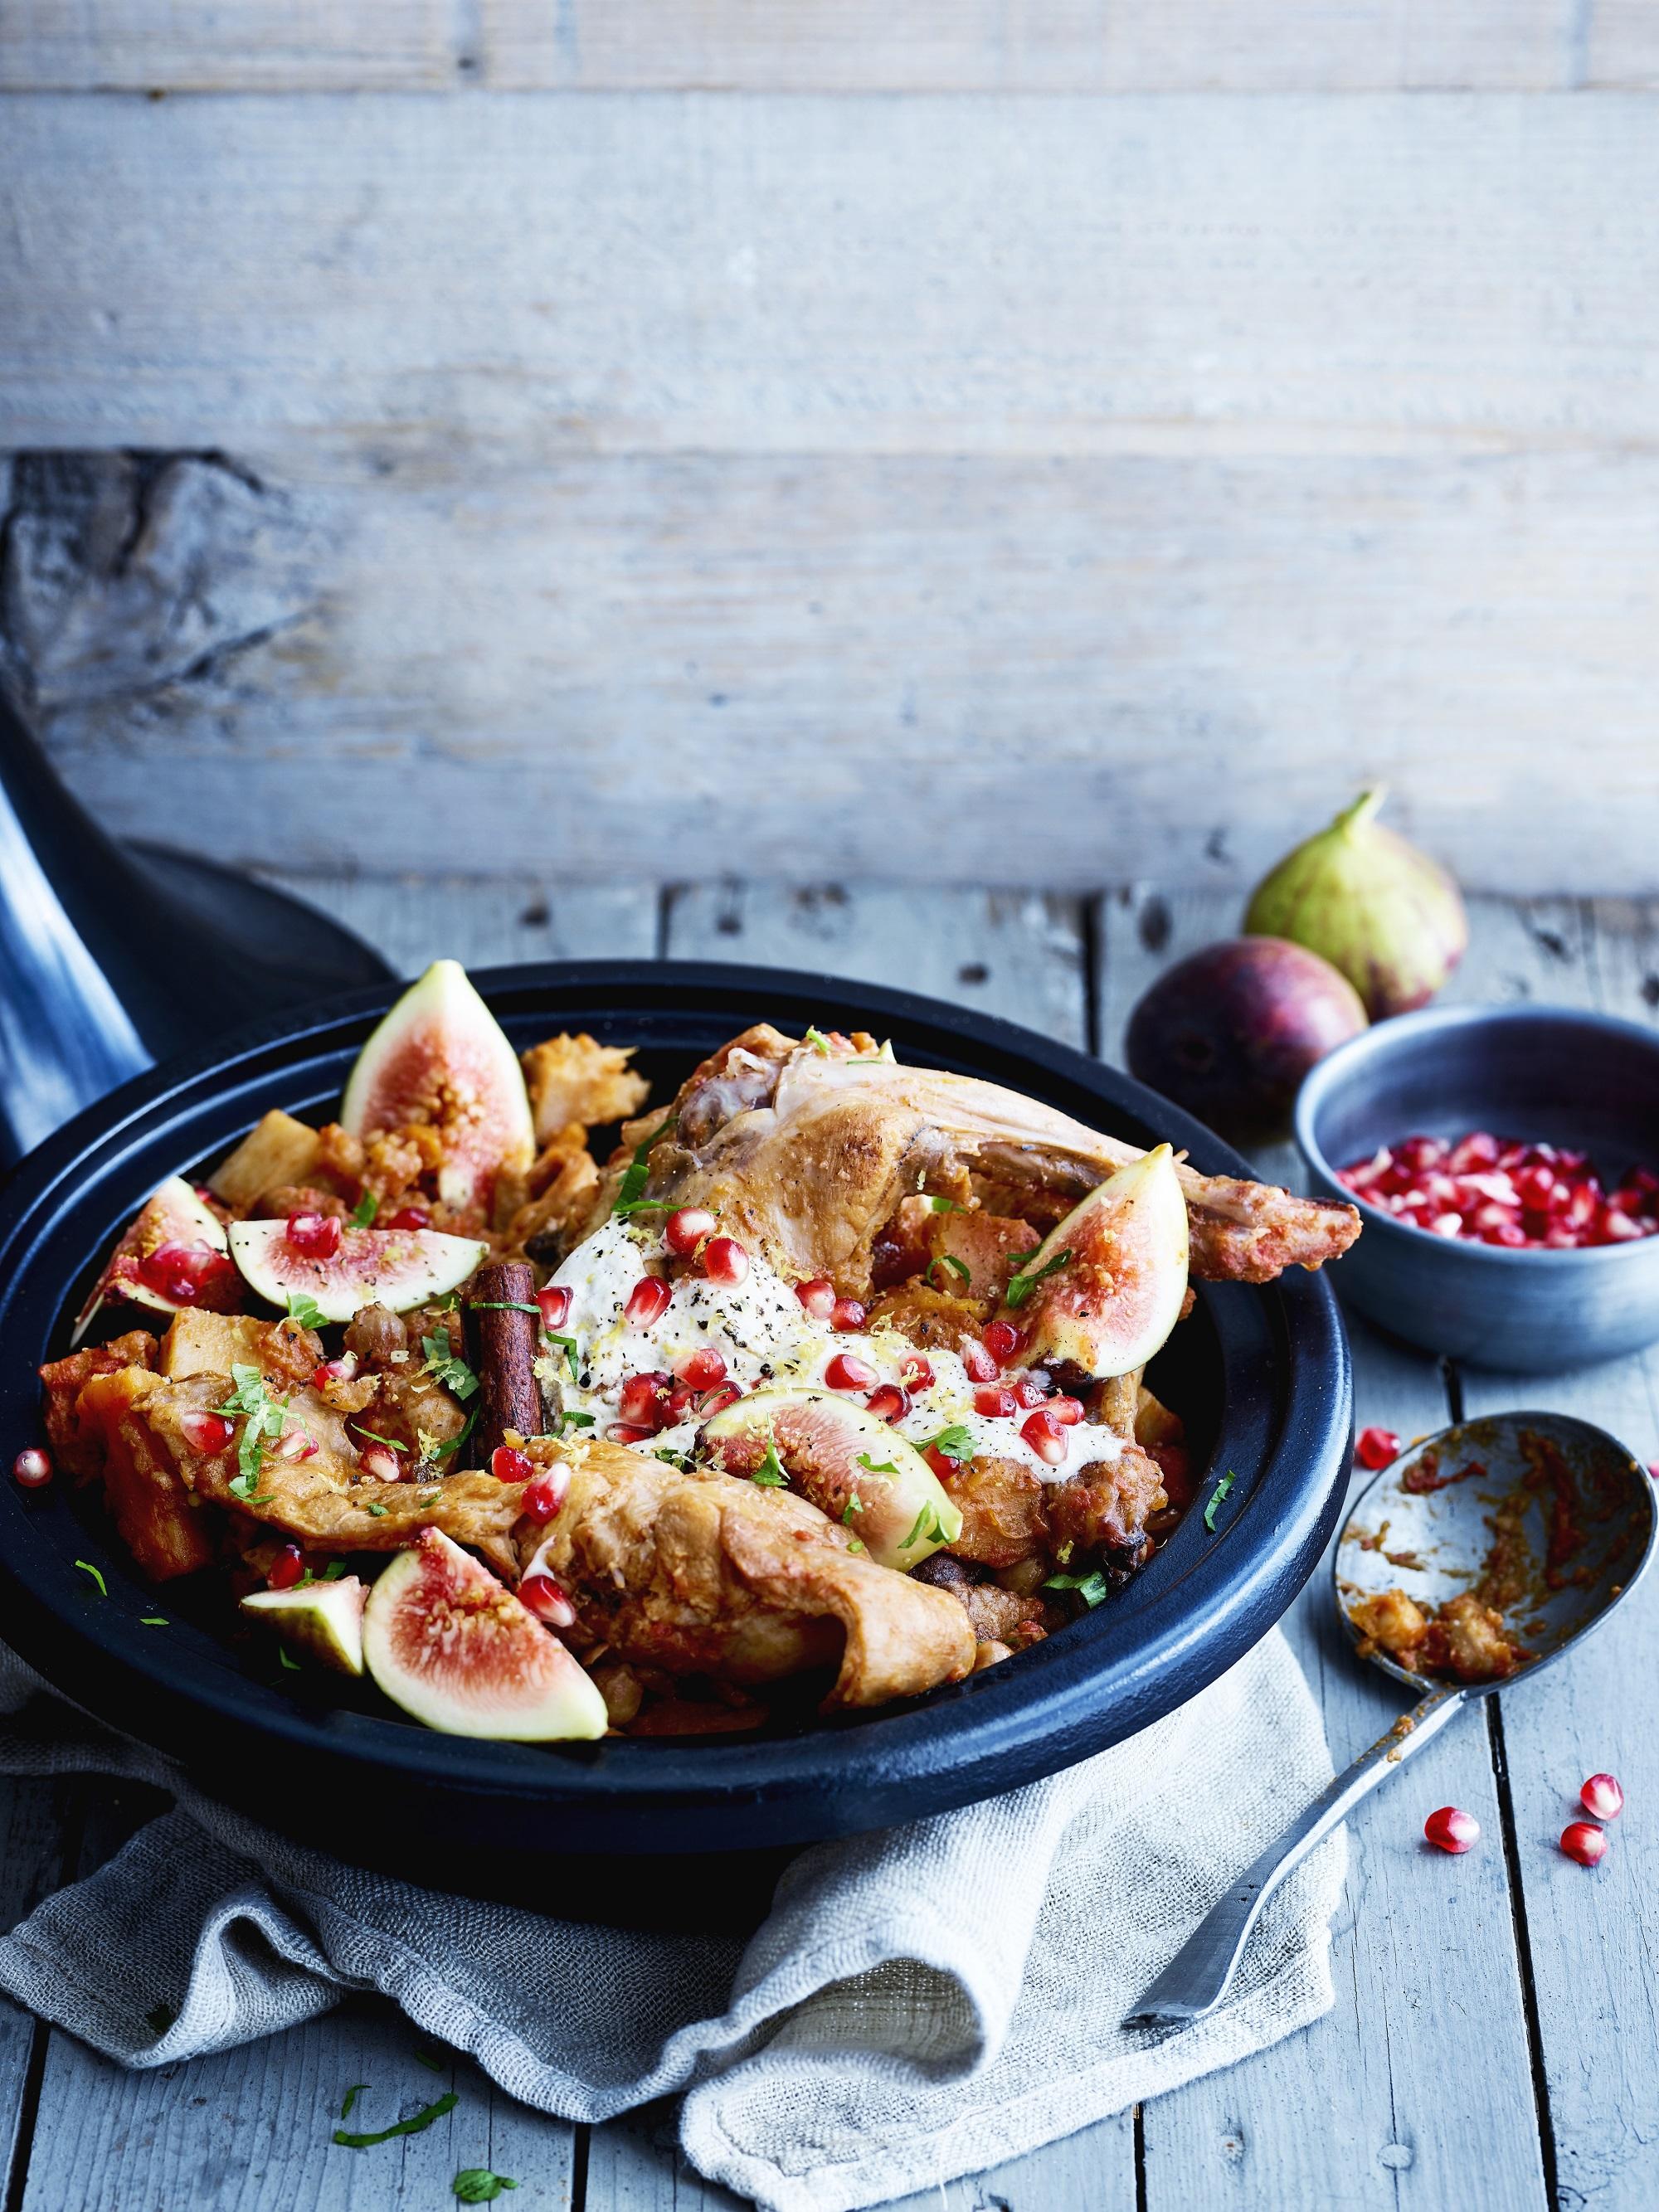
502,1330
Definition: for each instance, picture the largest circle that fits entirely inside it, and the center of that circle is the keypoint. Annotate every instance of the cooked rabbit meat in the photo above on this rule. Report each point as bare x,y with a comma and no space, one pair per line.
810,1151
704,1573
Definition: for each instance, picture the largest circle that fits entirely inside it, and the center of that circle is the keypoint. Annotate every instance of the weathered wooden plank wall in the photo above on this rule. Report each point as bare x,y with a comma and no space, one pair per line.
654,446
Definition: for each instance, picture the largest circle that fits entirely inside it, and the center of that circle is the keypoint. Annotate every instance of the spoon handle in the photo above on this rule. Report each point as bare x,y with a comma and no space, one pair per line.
1196,1978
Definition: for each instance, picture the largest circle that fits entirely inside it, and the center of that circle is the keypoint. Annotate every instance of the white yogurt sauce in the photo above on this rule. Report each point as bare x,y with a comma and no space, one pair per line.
766,1337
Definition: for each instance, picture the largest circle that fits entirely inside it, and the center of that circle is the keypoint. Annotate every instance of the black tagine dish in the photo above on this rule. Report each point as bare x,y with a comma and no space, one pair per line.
1259,1375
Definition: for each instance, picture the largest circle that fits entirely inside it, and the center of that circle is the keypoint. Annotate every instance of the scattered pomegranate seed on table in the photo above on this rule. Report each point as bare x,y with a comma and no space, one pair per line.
1584,1841
724,1260
508,1464
846,1372
555,1303
32,1469
684,1230
1376,1447
314,1235
1602,1797
647,1302
547,1600
1452,1830
286,1568
817,1295
1502,1191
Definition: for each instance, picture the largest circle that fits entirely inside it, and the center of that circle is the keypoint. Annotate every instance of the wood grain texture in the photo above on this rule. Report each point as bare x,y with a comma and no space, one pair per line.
1419,2074
197,46
1057,276
1034,45
34,1820
415,920
927,667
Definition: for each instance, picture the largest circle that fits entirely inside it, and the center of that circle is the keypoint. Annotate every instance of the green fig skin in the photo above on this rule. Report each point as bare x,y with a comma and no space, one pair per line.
1390,919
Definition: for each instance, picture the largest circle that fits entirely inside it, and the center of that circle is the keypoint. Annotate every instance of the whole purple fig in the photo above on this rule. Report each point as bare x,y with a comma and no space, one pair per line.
1230,1032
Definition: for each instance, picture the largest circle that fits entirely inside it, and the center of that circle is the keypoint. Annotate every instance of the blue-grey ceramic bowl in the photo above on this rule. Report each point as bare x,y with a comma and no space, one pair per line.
1549,1074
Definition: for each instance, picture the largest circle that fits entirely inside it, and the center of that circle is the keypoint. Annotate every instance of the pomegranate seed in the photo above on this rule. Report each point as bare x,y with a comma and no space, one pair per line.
888,1403
544,1496
847,1372
717,1399
334,1370
1029,1391
1451,1830
297,1444
1603,1796
381,1462
1493,1191
643,1401
1376,1447
647,1302
32,1469
941,1462
1046,1438
555,1303
994,1403
508,1464
848,1316
205,1433
818,1297
627,1433
547,1600
704,1369
1584,1841
181,1273
411,1216
316,1236
1068,1412
286,1568
724,1260
980,1366
684,1231
680,1398
917,1372
1002,1341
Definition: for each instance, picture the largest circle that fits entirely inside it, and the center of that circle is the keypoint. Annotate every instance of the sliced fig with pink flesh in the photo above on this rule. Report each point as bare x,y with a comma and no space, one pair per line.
1105,1287
394,1268
171,1257
440,1059
844,1460
456,1649
324,1620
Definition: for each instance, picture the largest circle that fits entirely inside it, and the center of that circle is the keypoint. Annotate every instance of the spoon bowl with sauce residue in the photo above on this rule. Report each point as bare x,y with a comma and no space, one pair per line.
1472,1560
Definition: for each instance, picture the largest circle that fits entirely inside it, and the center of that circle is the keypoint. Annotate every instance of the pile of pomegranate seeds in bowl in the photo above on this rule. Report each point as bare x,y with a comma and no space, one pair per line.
1499,1190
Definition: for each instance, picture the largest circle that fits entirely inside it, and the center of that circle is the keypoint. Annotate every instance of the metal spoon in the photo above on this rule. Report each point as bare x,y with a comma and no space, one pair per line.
1434,1542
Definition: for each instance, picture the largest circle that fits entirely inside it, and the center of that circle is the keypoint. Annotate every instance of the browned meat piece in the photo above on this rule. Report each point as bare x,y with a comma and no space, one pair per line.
576,1079
1477,1647
1105,1507
78,1450
284,1199
552,1224
1462,1639
1392,1622
986,1244
159,1521
1004,1512
928,1317
1002,1616
1114,1402
706,1574
808,1153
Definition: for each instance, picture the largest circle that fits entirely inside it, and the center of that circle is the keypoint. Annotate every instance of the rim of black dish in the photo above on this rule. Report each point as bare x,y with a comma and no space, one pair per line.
1205,1599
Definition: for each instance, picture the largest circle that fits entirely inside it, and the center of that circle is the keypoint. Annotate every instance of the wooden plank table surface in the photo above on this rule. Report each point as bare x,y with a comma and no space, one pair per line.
1493,2040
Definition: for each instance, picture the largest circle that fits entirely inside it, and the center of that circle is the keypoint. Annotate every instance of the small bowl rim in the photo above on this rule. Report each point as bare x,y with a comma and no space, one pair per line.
1321,1076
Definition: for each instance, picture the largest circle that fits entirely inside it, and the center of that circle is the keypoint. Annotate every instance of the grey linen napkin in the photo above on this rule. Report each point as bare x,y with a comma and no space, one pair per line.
920,2003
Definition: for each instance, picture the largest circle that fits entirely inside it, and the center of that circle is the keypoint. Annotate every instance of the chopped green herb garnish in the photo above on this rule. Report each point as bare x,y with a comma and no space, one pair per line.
857,1544
1020,1287
817,1039
646,1205
262,1422
443,1451
1218,1496
1091,1587
336,1571
431,2061
350,2098
920,1531
441,1362
956,1442
855,1504
501,1305
304,1309
574,1420
771,1473
412,2126
365,1210
681,1460
154,1620
933,1202
476,2185
632,1186
379,1511
292,1665
947,1260
374,1436
86,1568
874,1465
569,1345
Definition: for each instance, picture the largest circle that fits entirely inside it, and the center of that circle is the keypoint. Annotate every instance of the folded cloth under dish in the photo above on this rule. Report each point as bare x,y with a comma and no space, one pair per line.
922,2003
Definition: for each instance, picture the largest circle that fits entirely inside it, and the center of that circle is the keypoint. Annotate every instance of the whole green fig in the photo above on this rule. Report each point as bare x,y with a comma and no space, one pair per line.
1376,908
